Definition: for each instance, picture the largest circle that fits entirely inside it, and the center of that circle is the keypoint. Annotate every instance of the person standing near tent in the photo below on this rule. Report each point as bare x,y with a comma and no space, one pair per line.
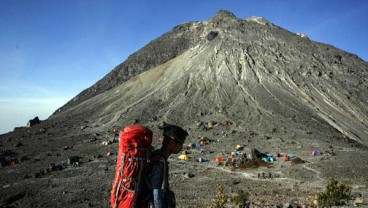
157,180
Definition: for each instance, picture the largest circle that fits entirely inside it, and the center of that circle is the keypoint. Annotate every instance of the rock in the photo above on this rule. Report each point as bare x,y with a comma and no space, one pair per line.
93,139
355,195
199,124
212,35
358,201
250,153
36,175
83,127
73,159
188,175
267,137
19,144
105,143
290,205
66,147
33,122
52,167
211,124
11,199
24,158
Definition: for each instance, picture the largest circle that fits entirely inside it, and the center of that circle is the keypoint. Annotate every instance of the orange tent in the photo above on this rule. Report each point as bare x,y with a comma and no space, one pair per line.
219,159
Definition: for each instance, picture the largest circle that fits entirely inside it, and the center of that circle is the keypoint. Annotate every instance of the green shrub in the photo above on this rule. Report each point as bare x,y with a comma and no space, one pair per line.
336,194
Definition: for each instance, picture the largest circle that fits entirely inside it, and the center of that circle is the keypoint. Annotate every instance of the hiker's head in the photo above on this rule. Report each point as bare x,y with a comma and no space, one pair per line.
173,137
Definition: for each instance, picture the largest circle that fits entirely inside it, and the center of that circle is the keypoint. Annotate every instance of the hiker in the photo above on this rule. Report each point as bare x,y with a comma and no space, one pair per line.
173,138
141,174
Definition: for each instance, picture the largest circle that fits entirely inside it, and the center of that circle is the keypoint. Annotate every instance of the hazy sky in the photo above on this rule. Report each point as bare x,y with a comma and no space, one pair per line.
50,50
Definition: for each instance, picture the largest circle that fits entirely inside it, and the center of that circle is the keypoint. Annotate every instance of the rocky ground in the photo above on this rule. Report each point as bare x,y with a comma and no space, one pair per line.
34,182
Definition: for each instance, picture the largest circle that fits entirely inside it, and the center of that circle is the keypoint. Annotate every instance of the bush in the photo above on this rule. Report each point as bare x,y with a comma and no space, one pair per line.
220,199
336,194
297,160
240,199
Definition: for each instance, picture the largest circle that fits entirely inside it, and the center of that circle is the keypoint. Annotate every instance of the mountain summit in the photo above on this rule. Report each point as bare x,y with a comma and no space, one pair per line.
249,71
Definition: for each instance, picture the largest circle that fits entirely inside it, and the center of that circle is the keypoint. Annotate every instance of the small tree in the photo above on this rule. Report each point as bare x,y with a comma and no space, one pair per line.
240,199
220,199
336,194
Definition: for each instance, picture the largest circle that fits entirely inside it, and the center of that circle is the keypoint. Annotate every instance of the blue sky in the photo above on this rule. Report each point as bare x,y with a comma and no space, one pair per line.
51,50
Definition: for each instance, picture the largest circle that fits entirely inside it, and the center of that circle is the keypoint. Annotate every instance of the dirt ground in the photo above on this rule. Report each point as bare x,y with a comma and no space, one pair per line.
88,183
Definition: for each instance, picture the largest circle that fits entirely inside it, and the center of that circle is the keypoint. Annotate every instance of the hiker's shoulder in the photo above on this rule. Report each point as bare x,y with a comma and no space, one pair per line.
156,157
156,154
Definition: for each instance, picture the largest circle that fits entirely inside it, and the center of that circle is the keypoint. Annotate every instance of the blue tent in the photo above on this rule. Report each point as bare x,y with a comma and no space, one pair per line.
316,153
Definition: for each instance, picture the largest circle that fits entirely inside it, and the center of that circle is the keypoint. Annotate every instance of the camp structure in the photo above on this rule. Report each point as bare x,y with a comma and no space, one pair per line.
315,153
219,159
183,157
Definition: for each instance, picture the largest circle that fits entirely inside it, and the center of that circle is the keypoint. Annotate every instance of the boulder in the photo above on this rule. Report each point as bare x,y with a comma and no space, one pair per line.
252,154
358,201
212,35
73,159
33,122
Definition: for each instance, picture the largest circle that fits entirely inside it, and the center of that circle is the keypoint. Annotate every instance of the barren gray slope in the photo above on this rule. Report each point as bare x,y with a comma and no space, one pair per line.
252,73
158,51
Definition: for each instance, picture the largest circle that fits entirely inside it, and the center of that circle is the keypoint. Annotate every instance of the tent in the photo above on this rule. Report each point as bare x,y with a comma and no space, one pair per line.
219,159
291,156
278,154
315,153
265,159
183,157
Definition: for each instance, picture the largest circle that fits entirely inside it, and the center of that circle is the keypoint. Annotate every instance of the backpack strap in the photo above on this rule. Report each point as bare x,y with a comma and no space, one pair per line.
165,184
117,192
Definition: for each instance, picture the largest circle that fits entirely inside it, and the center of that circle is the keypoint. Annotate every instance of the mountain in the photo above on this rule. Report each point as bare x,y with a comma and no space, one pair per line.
233,81
248,71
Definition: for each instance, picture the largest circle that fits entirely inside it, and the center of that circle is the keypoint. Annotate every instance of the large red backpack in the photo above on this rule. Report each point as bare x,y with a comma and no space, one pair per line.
134,151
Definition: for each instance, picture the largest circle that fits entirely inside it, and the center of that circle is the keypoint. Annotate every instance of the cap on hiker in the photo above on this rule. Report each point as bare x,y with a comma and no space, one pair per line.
177,133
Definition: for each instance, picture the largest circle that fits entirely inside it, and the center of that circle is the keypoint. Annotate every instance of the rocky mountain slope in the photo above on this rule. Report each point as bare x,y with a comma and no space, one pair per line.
249,71
257,84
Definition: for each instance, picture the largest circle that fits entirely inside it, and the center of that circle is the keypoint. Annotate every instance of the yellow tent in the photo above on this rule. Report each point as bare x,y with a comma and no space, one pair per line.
183,157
